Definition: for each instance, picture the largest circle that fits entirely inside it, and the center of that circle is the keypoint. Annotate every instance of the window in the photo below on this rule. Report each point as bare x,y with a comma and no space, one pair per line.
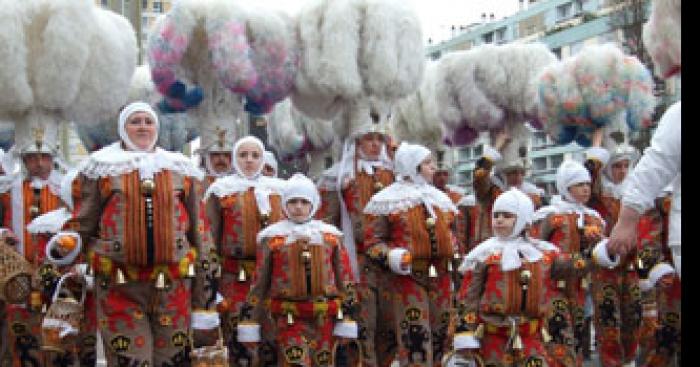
158,6
144,4
144,22
557,52
478,151
539,164
564,11
575,47
556,161
328,162
465,154
500,35
487,37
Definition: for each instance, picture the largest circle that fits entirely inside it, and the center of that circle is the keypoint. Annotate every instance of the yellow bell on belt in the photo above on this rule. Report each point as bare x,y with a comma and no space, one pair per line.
147,186
518,342
290,319
546,337
121,279
160,281
430,222
190,270
241,275
432,271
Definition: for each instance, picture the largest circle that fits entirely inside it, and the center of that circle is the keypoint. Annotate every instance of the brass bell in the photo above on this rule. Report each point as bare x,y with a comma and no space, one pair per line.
457,256
640,263
160,281
518,342
430,222
525,276
432,271
33,211
147,186
561,284
290,319
378,186
121,279
479,333
190,271
306,255
241,275
340,315
546,337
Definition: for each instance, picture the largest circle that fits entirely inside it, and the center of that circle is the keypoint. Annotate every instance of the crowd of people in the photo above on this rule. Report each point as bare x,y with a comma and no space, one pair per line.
158,261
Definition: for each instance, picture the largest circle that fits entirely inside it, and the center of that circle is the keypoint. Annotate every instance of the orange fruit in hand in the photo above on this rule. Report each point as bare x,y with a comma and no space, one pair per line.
67,243
406,259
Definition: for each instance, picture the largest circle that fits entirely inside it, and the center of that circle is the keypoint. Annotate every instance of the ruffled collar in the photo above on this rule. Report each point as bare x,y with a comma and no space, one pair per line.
567,207
263,187
113,160
403,195
512,251
312,230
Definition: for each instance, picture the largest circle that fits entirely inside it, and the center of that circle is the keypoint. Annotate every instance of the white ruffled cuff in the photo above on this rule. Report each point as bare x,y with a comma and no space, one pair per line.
466,340
657,272
68,258
205,320
64,326
601,256
492,154
248,333
394,260
346,329
599,154
50,222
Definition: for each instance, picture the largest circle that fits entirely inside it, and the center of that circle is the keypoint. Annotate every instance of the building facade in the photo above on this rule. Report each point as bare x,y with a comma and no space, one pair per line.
565,26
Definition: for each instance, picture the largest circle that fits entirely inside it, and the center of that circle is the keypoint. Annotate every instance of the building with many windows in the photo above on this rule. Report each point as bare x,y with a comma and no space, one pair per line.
565,26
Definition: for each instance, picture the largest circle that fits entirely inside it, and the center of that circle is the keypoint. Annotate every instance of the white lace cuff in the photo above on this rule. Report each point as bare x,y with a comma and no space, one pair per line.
466,340
346,329
601,256
248,333
205,320
657,272
394,260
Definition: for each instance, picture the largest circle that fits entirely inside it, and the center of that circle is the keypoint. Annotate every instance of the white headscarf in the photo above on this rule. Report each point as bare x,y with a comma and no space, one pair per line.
569,174
513,247
410,188
408,158
621,153
239,143
269,159
124,116
299,186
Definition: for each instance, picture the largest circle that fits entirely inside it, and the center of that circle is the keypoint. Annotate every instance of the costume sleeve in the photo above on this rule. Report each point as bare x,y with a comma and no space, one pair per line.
377,237
468,299
659,165
204,286
91,203
254,308
344,278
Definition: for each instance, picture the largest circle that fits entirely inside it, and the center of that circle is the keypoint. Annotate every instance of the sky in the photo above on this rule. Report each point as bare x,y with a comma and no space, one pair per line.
437,16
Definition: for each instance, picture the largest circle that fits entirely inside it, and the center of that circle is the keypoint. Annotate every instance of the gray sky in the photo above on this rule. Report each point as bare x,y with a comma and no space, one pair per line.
437,16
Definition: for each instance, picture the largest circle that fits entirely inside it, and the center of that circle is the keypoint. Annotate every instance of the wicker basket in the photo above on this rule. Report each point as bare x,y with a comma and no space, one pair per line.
15,275
62,321
211,356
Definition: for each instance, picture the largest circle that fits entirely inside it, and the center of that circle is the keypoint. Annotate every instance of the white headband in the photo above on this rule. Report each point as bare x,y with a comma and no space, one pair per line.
124,116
